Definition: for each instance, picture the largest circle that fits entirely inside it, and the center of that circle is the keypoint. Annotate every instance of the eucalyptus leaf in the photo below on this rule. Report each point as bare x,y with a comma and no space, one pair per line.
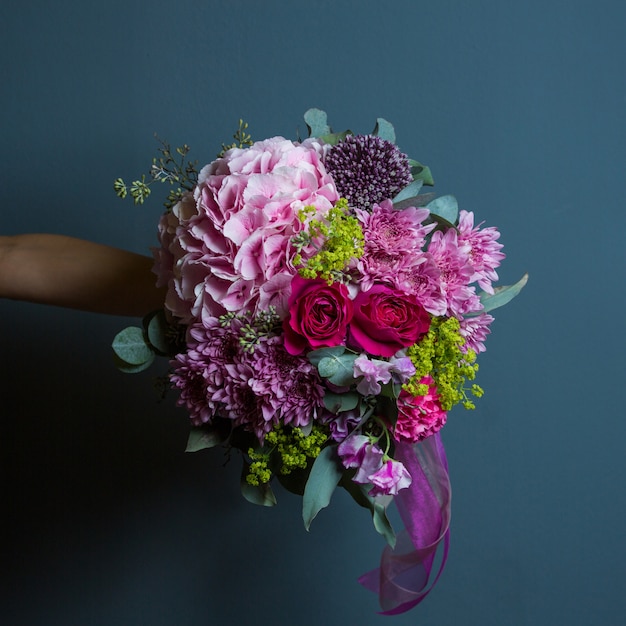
334,138
421,172
416,201
375,505
338,369
410,191
127,368
339,402
317,123
204,437
384,130
382,524
502,295
131,347
323,479
317,355
157,329
446,207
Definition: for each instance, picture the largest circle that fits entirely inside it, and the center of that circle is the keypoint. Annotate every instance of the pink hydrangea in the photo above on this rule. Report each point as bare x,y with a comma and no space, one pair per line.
228,247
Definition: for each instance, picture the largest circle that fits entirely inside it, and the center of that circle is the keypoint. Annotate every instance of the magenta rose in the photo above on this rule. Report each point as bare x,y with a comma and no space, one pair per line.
318,316
386,320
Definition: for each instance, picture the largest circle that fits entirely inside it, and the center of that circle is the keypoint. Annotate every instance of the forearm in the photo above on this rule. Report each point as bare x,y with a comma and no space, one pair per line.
78,274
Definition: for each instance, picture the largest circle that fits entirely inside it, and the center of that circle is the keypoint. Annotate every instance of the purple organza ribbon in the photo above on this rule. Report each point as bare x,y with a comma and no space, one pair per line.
401,581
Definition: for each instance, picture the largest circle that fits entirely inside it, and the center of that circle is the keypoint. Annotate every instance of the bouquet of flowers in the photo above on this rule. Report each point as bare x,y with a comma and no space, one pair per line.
323,316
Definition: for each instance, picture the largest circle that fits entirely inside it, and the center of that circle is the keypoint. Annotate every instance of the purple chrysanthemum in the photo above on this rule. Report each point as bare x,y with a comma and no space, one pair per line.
367,170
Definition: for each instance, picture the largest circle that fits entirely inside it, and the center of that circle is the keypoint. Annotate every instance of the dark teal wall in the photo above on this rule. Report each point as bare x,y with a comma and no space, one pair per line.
519,109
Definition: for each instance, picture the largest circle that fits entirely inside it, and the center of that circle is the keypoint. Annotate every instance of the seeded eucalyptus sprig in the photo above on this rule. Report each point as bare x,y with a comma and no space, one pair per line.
170,167
241,137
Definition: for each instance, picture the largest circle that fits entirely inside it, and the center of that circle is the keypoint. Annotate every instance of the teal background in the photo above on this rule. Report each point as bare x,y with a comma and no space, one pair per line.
518,108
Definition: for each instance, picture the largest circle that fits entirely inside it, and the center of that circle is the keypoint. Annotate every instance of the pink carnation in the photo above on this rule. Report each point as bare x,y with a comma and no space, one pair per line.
419,416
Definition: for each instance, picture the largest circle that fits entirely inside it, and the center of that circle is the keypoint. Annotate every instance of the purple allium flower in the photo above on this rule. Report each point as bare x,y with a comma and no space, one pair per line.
367,169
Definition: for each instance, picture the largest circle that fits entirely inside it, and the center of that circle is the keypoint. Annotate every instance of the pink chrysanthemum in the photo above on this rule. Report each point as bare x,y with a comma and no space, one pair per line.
452,258
419,416
475,330
484,251
393,241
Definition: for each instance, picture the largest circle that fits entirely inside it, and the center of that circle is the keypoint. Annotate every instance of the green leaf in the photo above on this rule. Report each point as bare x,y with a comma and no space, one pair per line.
260,494
417,201
316,121
157,329
421,172
323,480
204,437
131,347
446,207
338,402
410,191
384,130
378,510
127,368
317,355
382,524
502,295
338,369
334,138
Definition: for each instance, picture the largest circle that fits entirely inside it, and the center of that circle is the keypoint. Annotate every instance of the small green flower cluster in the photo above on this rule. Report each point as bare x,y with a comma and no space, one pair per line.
170,168
293,448
343,242
439,355
263,324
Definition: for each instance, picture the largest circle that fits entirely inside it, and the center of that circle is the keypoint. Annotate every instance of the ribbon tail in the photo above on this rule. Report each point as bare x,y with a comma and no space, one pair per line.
402,580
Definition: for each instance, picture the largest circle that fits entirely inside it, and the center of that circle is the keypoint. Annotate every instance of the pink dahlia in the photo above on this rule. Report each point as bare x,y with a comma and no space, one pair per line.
419,416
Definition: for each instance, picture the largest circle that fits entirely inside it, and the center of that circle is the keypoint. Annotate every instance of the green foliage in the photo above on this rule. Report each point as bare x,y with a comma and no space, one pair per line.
205,437
132,350
384,130
445,207
502,295
170,167
334,363
421,172
317,123
342,241
260,494
241,137
323,480
440,354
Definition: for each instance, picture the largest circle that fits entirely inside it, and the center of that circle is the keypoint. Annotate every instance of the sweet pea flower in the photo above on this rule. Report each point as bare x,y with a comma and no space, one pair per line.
373,372
389,479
